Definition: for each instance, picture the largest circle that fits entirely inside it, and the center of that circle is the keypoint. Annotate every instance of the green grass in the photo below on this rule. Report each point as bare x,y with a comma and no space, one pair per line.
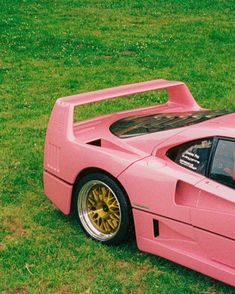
55,48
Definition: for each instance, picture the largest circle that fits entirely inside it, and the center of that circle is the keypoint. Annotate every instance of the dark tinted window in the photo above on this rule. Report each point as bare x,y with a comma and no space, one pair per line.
193,155
223,165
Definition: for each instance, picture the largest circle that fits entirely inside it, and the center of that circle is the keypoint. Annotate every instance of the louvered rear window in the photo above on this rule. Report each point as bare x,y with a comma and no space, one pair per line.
140,125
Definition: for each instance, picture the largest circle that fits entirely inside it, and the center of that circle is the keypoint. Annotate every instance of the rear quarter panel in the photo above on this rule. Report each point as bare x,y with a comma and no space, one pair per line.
73,157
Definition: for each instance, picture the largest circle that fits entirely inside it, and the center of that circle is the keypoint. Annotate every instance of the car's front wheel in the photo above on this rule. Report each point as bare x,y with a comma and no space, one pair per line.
102,208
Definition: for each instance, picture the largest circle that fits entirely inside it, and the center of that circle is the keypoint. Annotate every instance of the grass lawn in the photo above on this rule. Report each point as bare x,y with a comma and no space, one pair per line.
54,48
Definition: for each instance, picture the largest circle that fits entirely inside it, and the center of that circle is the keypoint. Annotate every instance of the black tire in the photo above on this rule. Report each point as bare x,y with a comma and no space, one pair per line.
102,209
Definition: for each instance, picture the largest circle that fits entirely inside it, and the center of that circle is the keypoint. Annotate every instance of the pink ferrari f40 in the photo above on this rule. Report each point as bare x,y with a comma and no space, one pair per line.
166,172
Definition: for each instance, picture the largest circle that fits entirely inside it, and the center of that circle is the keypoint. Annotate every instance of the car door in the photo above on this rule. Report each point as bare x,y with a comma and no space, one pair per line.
213,218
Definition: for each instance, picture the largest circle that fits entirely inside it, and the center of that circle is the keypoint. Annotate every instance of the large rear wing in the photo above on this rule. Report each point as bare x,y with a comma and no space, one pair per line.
177,93
63,112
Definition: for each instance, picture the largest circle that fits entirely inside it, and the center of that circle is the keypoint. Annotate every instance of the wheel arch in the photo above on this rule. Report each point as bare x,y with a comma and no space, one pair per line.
91,170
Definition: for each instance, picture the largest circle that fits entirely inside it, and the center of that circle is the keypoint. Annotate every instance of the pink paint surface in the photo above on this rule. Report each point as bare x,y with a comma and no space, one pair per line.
195,215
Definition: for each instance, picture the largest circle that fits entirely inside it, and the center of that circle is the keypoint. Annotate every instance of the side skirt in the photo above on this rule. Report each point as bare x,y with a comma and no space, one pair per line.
177,242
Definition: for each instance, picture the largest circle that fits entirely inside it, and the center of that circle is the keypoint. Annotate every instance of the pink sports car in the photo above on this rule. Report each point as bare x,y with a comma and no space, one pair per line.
165,171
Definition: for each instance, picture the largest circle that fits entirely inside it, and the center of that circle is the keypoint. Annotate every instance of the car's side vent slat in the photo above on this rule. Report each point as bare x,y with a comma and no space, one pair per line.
156,228
53,157
95,143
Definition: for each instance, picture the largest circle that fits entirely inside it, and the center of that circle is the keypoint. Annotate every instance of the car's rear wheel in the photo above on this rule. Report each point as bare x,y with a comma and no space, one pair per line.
102,208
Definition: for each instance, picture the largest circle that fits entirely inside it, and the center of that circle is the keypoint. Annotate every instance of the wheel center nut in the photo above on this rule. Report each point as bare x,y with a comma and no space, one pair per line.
105,208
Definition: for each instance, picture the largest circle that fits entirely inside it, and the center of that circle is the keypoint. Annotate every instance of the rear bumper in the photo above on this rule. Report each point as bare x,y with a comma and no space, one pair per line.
59,192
